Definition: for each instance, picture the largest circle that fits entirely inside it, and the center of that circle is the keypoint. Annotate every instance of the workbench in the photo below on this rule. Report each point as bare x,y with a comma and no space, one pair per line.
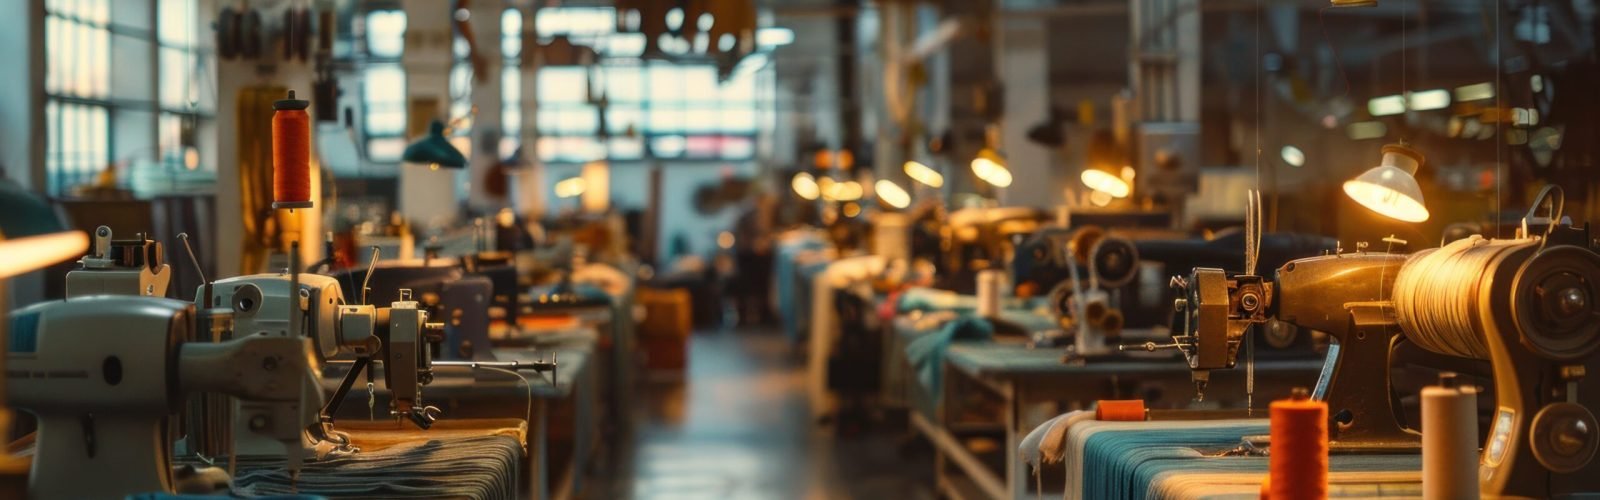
562,428
994,393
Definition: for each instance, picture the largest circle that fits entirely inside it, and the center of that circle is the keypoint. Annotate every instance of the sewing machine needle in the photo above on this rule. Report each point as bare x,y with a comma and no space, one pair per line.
1249,372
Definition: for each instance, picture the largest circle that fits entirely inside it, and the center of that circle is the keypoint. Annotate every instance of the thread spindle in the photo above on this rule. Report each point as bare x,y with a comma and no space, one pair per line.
291,153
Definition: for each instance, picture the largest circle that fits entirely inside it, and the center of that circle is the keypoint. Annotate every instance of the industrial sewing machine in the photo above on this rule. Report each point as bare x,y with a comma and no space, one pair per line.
120,267
397,335
1105,268
1526,305
975,239
445,325
102,373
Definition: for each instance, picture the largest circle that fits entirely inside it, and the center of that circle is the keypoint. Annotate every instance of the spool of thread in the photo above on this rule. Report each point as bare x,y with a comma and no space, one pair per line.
1298,466
1121,410
291,153
990,283
1449,440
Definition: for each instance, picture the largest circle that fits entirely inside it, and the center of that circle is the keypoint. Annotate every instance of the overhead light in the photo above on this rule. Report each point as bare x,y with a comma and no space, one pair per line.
1353,3
1391,187
434,150
805,186
1293,156
1430,99
571,187
892,194
1101,178
1386,105
35,252
843,191
774,37
825,186
991,168
1475,92
924,174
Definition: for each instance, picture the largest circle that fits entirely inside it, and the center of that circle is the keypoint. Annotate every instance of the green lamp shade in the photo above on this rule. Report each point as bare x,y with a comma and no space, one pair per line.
434,149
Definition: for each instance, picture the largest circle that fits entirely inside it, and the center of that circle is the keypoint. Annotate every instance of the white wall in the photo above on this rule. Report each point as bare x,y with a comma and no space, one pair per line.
630,190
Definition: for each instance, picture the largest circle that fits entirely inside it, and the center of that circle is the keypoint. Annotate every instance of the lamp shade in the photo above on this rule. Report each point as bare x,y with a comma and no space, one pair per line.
991,168
1391,187
1102,179
434,149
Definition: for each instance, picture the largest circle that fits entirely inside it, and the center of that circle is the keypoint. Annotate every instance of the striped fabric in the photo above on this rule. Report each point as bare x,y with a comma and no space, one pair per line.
1177,460
478,467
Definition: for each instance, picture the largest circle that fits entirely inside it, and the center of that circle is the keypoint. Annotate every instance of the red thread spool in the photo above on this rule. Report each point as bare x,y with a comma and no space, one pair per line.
291,153
1122,410
1298,466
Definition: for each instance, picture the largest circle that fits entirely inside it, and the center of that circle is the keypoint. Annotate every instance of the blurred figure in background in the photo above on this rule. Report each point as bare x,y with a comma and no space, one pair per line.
753,248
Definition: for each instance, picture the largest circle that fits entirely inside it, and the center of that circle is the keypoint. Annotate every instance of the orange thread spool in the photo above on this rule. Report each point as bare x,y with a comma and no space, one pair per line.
291,153
1298,466
1121,410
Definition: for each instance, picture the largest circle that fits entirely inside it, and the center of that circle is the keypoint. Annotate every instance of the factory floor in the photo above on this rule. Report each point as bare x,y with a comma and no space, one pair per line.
738,426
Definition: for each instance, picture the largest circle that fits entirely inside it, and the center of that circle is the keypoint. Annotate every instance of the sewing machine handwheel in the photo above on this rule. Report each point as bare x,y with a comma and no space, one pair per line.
1563,437
1115,261
1082,242
1554,302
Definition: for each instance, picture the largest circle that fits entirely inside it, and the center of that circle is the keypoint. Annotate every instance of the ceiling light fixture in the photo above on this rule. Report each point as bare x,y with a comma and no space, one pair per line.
1391,187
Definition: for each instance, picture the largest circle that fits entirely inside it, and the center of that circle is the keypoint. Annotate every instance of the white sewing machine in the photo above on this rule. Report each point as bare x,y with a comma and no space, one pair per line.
103,372
120,267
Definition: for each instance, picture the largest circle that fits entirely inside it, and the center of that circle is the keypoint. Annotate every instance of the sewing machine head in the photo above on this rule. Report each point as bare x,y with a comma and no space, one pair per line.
400,335
120,267
102,372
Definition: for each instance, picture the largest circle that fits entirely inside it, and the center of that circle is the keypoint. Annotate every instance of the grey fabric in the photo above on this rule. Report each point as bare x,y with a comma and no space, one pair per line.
479,467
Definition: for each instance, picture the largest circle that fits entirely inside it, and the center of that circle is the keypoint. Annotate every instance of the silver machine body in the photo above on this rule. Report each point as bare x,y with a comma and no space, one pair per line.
103,373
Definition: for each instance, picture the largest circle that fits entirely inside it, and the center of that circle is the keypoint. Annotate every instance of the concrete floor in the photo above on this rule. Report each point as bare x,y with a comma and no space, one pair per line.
738,427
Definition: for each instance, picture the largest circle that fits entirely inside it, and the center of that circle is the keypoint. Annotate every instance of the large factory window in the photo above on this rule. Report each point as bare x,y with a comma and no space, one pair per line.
78,90
666,108
187,88
383,89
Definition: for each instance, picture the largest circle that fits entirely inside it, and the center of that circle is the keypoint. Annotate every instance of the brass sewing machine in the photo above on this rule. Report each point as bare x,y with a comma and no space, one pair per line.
1527,305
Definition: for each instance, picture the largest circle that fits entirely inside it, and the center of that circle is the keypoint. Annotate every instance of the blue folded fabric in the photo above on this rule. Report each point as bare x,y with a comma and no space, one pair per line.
787,288
926,354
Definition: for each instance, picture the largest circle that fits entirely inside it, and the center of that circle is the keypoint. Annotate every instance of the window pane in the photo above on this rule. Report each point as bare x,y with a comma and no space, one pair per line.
625,83
619,118
580,120
386,30
385,83
563,84
588,21
511,33
511,120
666,83
174,78
176,23
511,84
